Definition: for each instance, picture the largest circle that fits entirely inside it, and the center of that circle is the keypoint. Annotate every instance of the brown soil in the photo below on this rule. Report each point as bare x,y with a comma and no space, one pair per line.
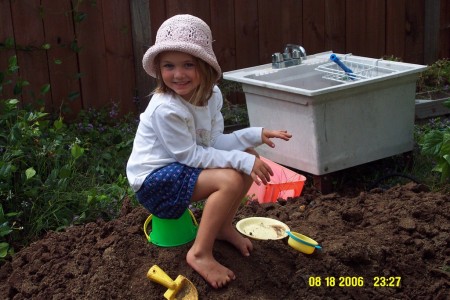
402,232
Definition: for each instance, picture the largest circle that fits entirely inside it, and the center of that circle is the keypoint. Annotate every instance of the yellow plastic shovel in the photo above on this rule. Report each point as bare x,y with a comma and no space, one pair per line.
180,288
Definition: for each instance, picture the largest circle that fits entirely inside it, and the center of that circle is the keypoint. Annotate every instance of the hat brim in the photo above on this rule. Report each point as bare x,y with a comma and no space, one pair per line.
192,49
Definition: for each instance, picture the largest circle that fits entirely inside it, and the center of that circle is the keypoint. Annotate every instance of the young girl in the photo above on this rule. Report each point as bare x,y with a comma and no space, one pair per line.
180,153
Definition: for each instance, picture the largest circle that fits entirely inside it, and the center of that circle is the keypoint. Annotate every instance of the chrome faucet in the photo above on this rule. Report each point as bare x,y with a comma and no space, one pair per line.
292,56
293,48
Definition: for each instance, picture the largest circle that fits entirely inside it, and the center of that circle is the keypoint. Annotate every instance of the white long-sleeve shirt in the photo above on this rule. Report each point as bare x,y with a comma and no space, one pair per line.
173,130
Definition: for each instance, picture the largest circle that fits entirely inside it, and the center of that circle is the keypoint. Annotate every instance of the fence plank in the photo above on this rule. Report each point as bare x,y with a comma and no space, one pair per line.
270,29
92,57
58,26
32,62
415,31
157,17
6,31
223,31
365,30
292,23
432,15
119,54
376,28
314,25
141,25
335,34
444,38
355,29
247,31
396,25
278,26
200,9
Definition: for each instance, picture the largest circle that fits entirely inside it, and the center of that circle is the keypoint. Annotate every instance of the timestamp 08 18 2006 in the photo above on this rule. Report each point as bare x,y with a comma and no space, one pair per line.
354,281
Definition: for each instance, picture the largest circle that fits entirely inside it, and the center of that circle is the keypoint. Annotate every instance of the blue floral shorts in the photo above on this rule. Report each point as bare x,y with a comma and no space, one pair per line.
167,192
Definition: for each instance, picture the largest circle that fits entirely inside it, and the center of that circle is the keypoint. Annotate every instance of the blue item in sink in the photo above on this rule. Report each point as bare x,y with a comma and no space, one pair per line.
348,71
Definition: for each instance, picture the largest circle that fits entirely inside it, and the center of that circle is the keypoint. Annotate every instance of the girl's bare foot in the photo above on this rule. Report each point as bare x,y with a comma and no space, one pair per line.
212,271
231,235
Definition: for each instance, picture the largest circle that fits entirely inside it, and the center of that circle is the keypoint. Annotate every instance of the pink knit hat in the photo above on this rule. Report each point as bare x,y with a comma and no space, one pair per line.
184,33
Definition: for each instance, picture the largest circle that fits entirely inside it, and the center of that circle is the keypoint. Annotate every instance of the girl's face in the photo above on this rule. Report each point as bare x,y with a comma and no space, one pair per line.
179,73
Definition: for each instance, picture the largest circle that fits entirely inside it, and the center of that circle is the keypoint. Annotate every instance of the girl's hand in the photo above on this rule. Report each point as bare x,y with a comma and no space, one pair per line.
261,172
280,134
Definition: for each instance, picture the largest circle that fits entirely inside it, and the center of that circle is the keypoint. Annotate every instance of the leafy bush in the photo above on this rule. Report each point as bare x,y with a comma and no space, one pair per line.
107,138
6,228
435,78
436,144
53,175
233,114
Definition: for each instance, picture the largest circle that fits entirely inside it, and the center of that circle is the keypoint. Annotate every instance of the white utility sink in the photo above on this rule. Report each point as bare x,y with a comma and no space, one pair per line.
338,120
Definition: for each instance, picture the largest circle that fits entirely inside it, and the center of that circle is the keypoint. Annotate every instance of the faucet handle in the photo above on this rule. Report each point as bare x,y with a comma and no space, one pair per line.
303,52
296,54
294,47
277,57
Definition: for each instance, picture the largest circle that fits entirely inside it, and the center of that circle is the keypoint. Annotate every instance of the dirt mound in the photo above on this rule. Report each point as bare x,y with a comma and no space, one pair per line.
402,234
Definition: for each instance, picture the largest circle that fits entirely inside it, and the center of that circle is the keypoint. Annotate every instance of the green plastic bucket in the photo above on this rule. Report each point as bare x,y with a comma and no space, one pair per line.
171,232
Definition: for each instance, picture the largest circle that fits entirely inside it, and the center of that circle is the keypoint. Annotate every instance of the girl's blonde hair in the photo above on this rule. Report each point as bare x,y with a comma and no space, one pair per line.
208,78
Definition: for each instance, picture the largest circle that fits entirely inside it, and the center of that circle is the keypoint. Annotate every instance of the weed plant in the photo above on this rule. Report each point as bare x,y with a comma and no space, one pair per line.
233,114
434,140
435,78
433,136
434,82
54,175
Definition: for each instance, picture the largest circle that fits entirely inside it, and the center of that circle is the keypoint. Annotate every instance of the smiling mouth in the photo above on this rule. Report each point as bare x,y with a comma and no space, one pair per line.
181,83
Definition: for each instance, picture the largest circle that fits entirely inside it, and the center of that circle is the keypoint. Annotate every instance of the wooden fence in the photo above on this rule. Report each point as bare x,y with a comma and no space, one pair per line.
96,47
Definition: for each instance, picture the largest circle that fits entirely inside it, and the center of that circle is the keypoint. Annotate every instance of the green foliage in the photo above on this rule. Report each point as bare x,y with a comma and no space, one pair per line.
233,114
54,175
249,199
107,138
435,143
392,58
435,78
446,268
5,77
6,228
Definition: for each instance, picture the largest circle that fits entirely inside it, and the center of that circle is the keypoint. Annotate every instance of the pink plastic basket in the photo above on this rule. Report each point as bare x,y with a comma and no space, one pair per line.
284,183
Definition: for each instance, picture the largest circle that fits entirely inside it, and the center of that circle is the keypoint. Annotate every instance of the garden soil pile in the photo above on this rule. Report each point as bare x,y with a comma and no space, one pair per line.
399,236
